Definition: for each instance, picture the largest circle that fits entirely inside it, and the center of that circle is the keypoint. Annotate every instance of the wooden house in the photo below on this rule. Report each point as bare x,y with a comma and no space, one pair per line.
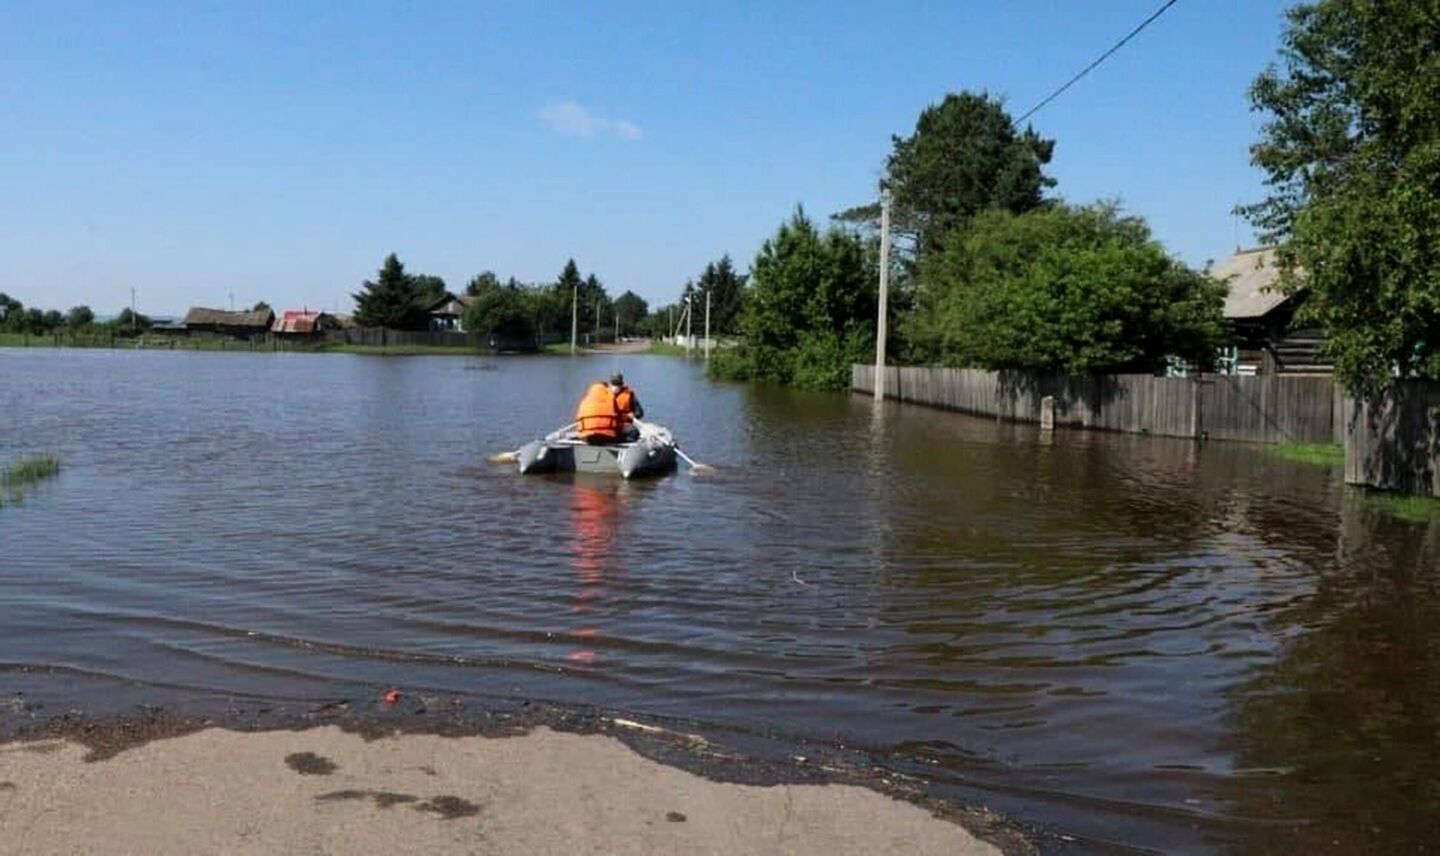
218,322
447,312
1264,336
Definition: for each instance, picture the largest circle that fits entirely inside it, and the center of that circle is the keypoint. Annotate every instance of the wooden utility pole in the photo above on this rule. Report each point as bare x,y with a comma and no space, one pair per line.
884,296
707,325
574,317
598,302
134,322
689,325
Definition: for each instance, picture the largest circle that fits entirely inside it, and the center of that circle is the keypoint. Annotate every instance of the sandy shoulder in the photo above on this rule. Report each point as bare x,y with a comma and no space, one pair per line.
325,791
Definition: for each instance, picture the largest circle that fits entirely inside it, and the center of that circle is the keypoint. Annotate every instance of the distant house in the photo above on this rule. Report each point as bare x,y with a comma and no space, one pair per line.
447,312
1264,338
303,323
218,322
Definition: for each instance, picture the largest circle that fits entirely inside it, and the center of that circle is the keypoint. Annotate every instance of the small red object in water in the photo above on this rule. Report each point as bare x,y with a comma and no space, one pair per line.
391,696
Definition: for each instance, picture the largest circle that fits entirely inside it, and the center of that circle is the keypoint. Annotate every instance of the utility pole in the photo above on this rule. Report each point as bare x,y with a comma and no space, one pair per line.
232,301
134,322
598,302
671,323
707,325
689,325
574,317
884,296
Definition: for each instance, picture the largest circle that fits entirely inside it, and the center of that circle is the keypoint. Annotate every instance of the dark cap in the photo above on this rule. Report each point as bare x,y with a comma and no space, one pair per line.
617,379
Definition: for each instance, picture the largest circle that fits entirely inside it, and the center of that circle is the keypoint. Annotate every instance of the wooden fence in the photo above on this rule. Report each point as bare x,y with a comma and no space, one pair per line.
1268,409
1390,444
1394,443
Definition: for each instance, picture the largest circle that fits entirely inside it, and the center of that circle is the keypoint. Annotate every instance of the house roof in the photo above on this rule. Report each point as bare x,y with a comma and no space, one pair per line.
199,315
302,321
450,303
1254,283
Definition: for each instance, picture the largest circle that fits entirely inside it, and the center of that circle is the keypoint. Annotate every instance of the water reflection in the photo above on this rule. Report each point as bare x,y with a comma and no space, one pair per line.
597,517
1340,736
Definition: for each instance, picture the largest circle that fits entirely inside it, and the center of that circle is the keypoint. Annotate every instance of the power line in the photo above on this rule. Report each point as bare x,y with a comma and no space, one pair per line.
1087,69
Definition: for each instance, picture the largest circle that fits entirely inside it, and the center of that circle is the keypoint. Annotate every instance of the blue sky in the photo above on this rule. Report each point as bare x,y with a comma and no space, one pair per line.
278,151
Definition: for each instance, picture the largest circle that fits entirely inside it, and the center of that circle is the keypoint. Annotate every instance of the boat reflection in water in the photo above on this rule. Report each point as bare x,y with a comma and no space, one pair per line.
597,514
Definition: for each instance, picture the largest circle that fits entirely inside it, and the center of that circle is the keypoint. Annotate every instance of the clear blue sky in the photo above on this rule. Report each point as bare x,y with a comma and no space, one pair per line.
278,151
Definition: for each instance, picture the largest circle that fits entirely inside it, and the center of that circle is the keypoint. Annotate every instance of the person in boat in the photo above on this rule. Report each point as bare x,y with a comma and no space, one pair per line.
607,412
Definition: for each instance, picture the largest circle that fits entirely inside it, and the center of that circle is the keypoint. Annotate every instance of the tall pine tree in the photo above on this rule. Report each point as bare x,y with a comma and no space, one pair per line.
392,299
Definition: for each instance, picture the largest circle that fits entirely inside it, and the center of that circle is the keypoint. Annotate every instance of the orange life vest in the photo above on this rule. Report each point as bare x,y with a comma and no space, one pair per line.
597,414
625,404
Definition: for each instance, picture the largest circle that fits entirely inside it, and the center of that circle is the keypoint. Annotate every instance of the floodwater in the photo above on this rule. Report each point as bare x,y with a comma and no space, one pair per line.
1133,642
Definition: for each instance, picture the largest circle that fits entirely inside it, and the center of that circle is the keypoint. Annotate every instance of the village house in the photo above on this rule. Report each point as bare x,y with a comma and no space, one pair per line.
304,324
218,322
1264,338
447,312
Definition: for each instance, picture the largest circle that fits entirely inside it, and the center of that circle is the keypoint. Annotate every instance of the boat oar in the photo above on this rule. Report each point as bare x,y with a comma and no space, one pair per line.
509,457
695,466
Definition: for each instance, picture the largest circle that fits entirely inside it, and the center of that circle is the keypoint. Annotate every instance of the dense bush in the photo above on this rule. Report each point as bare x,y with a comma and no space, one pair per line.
1061,288
809,310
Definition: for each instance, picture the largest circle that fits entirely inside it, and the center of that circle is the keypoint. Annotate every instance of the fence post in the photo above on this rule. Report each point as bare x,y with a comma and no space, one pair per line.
1047,413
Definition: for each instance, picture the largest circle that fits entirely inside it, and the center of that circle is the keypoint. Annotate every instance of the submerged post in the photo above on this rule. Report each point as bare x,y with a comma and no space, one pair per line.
884,296
1047,413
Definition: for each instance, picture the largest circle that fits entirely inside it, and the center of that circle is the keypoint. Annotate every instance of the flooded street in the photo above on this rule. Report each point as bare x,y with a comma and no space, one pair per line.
1135,642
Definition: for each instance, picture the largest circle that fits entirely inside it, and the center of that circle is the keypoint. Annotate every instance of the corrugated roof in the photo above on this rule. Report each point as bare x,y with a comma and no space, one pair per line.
302,321
199,315
1254,283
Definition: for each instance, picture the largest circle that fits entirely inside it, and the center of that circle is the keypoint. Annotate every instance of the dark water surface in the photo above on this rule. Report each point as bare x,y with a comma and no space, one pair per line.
1131,641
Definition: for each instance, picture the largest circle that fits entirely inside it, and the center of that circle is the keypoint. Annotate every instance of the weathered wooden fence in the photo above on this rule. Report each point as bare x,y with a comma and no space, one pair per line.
1391,444
1271,409
1394,443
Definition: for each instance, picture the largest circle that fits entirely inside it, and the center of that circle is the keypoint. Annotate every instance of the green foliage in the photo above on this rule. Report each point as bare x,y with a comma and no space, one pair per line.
16,477
726,291
505,313
429,288
1071,289
79,317
480,282
261,306
964,157
129,321
632,310
1415,509
1320,454
1351,155
393,299
810,310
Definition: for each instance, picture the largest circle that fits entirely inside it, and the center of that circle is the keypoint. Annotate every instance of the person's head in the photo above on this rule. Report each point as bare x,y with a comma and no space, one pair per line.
617,381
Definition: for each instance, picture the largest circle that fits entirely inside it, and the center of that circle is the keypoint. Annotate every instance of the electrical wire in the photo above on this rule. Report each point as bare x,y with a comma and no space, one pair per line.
1091,67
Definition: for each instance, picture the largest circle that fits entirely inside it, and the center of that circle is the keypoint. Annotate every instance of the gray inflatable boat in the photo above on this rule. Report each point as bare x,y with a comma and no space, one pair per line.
652,454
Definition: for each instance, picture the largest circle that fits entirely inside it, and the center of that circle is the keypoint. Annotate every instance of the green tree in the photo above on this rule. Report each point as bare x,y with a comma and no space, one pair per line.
965,156
1070,289
632,310
11,312
429,288
504,313
1350,153
391,300
128,321
79,317
810,309
261,306
594,306
726,290
481,282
